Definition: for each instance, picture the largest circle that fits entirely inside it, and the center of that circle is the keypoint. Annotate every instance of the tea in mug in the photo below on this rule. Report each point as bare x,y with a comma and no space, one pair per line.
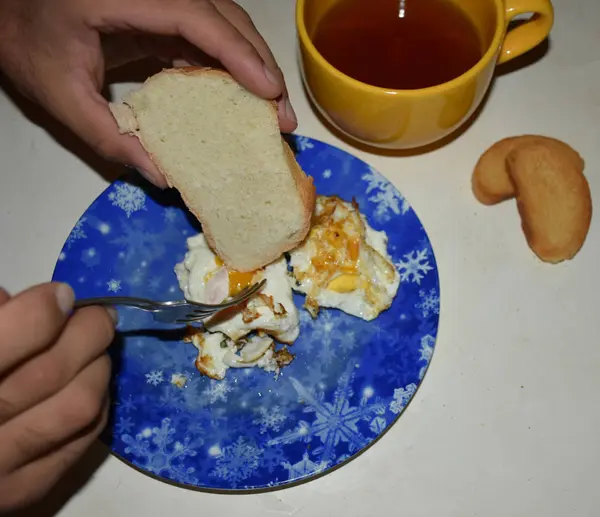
398,44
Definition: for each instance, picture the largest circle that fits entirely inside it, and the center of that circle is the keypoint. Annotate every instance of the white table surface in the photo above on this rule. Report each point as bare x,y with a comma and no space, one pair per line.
507,420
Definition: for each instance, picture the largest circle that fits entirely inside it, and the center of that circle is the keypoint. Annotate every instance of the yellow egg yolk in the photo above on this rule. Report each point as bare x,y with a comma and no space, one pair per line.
238,281
344,283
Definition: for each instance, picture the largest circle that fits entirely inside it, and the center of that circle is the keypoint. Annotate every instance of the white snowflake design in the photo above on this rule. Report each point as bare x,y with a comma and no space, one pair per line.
414,266
217,391
270,419
170,214
128,198
124,425
327,173
154,377
427,343
335,421
127,405
388,200
377,425
401,398
154,283
305,467
325,337
77,233
113,285
429,302
160,454
237,461
303,143
272,458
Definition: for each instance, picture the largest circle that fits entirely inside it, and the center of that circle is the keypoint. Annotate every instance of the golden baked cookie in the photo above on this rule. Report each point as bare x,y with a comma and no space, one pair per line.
553,197
491,182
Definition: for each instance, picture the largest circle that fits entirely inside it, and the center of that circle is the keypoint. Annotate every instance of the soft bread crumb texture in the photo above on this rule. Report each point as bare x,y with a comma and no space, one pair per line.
221,147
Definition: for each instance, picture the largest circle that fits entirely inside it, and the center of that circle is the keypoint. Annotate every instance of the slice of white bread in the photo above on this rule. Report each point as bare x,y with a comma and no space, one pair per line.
220,146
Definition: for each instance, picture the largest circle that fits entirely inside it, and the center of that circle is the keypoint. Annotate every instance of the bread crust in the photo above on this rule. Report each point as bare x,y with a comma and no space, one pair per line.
304,183
553,197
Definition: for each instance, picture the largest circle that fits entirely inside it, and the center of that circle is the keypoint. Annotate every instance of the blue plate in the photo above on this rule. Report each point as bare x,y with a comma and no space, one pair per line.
350,380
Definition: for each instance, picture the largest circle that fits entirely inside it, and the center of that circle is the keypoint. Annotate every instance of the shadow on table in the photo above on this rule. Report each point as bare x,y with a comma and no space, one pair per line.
133,72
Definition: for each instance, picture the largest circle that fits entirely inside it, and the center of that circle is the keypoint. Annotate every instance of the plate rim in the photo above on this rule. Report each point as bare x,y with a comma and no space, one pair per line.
284,484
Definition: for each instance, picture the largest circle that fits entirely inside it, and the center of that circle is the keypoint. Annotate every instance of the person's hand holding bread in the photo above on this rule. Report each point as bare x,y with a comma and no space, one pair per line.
56,53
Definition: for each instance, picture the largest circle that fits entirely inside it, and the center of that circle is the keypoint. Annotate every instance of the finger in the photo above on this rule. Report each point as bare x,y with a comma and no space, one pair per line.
199,22
4,296
242,21
30,321
75,101
31,482
86,336
122,48
53,422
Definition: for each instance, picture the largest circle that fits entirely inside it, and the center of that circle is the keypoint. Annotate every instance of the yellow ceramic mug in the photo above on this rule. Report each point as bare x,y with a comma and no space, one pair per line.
403,119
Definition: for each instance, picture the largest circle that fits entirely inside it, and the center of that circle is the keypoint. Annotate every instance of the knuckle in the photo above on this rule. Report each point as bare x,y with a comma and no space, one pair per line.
30,442
105,364
48,376
86,404
84,407
97,324
103,421
7,410
41,309
243,15
14,495
108,148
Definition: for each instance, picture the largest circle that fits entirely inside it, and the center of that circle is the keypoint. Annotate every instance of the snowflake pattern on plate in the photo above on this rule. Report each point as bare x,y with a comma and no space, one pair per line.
388,201
350,381
129,198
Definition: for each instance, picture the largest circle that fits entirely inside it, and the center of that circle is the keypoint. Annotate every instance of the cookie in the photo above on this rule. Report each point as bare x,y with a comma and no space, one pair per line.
491,182
553,197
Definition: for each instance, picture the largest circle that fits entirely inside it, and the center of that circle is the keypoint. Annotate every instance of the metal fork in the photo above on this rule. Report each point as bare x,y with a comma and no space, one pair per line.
181,311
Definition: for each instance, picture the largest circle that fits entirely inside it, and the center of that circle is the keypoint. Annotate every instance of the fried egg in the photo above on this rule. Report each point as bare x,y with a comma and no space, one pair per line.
269,315
217,353
344,263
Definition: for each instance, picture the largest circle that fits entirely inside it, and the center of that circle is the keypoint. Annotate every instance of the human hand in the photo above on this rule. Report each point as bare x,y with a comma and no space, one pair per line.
55,53
54,376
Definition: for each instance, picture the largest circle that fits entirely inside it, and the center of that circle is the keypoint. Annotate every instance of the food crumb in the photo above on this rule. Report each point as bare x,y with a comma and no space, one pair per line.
178,380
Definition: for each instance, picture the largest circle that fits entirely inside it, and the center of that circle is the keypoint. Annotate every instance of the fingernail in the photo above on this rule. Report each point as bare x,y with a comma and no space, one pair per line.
64,297
285,106
270,76
152,178
112,312
145,173
181,63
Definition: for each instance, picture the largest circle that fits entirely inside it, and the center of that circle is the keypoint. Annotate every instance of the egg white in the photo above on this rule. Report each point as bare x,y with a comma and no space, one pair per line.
272,313
217,353
374,265
238,338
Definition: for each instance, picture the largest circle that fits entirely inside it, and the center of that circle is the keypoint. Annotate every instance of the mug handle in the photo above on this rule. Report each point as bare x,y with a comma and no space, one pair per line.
532,32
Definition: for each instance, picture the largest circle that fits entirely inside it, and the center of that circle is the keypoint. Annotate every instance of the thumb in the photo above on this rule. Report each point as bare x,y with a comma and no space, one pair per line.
78,105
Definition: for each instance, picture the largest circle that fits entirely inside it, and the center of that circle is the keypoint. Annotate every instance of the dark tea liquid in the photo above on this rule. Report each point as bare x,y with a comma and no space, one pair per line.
398,44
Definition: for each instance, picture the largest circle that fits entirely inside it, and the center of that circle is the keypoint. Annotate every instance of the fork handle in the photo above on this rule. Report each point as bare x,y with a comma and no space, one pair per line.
139,303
